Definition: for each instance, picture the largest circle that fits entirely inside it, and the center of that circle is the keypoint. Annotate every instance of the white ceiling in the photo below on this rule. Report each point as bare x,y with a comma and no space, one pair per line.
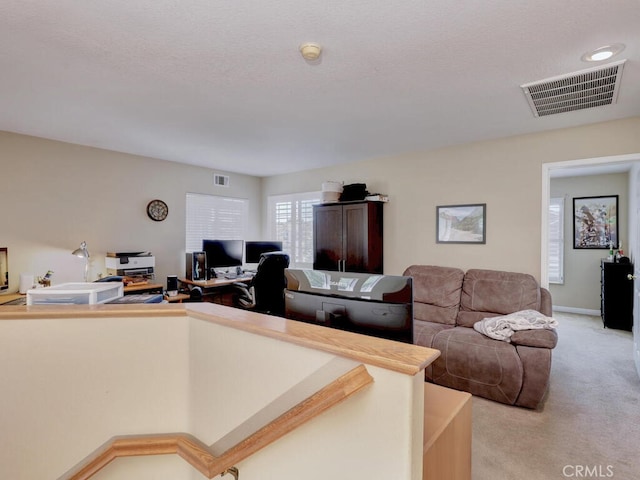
221,83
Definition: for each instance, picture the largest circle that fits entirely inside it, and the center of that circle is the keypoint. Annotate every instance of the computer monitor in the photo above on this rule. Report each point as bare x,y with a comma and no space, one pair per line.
371,304
253,250
223,253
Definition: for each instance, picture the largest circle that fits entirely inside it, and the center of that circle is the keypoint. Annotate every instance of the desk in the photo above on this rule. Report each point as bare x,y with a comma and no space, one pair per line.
9,297
144,288
216,288
216,282
178,298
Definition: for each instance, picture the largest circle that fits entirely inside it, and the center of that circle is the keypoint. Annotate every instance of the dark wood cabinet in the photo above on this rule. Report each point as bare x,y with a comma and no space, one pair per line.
348,237
616,294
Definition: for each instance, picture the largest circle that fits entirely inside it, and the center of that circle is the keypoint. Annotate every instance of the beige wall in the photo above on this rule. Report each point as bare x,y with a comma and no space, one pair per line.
350,440
75,383
78,382
581,288
505,174
55,195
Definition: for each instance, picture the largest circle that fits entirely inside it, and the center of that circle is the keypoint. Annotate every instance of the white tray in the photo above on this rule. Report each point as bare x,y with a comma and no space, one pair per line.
76,293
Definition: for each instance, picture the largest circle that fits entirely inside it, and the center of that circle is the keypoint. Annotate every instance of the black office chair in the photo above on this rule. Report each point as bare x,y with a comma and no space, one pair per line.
195,294
265,292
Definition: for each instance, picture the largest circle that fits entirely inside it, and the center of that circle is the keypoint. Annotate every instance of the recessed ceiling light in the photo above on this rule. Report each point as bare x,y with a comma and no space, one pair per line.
603,53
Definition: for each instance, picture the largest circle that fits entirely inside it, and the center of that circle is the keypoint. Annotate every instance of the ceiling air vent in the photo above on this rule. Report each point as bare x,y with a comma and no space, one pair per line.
220,180
594,87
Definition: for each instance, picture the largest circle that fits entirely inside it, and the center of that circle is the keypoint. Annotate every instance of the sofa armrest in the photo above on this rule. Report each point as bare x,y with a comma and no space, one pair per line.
546,305
542,338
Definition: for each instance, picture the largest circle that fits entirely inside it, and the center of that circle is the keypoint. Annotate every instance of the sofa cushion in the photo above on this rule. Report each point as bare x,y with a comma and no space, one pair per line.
436,292
477,364
488,293
423,332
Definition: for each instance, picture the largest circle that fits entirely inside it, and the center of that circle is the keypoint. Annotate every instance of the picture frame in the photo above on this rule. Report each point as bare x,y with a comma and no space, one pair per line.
461,223
595,222
4,268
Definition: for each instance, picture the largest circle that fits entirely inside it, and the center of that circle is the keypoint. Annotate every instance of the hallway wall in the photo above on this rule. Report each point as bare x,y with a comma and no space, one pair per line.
581,288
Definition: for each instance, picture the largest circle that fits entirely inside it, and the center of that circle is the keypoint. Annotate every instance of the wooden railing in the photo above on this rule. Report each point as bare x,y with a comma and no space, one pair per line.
286,413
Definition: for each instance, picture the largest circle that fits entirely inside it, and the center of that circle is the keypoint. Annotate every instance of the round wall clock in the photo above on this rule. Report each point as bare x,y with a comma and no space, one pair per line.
157,210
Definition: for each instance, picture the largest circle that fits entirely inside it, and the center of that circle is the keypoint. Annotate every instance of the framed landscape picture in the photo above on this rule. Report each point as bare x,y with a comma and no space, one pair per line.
461,223
595,222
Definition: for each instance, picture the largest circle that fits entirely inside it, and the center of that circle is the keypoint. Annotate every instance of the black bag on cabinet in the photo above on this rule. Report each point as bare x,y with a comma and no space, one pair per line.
354,191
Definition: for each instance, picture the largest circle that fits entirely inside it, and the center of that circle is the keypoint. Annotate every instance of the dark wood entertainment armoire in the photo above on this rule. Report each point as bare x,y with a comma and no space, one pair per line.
347,237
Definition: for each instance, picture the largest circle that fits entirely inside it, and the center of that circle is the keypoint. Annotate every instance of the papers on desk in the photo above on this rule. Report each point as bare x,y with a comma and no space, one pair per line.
242,276
140,298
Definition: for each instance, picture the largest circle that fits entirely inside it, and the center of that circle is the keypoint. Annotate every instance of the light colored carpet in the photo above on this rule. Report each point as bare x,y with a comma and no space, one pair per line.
589,426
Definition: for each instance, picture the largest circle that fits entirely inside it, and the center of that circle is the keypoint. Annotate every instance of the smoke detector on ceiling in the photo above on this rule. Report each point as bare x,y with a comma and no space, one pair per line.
310,51
594,87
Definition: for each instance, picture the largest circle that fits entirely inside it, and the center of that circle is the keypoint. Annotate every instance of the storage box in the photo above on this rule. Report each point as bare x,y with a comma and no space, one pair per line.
76,293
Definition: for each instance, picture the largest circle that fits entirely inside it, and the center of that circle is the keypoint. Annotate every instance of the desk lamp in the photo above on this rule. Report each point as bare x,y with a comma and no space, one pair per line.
82,252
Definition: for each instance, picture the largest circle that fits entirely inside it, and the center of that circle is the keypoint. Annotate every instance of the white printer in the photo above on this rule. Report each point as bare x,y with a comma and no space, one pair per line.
131,264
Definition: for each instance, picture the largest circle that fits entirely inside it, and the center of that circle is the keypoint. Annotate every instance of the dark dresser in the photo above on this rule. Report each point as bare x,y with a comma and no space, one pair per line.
616,294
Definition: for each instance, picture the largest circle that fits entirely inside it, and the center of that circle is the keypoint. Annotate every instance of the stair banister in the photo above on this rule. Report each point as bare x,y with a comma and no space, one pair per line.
323,389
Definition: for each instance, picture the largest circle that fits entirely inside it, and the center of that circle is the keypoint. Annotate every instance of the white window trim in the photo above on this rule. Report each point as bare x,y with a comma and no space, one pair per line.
300,239
214,217
555,250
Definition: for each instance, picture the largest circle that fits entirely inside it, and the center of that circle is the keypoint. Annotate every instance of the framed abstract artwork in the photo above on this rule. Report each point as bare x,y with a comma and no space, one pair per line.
461,223
595,222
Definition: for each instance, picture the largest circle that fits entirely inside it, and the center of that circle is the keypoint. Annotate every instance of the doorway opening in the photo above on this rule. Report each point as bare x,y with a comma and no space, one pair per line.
596,166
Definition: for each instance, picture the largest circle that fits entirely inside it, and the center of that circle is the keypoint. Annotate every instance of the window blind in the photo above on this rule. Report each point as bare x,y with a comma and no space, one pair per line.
214,217
556,240
290,221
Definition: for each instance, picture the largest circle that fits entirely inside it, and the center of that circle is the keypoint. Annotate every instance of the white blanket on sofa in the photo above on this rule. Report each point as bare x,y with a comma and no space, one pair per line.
502,327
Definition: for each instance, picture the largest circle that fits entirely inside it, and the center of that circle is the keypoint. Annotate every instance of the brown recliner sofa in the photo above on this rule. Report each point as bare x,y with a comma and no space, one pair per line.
447,303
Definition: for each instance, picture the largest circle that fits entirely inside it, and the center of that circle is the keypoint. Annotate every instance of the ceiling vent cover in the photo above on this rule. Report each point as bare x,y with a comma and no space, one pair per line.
594,87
